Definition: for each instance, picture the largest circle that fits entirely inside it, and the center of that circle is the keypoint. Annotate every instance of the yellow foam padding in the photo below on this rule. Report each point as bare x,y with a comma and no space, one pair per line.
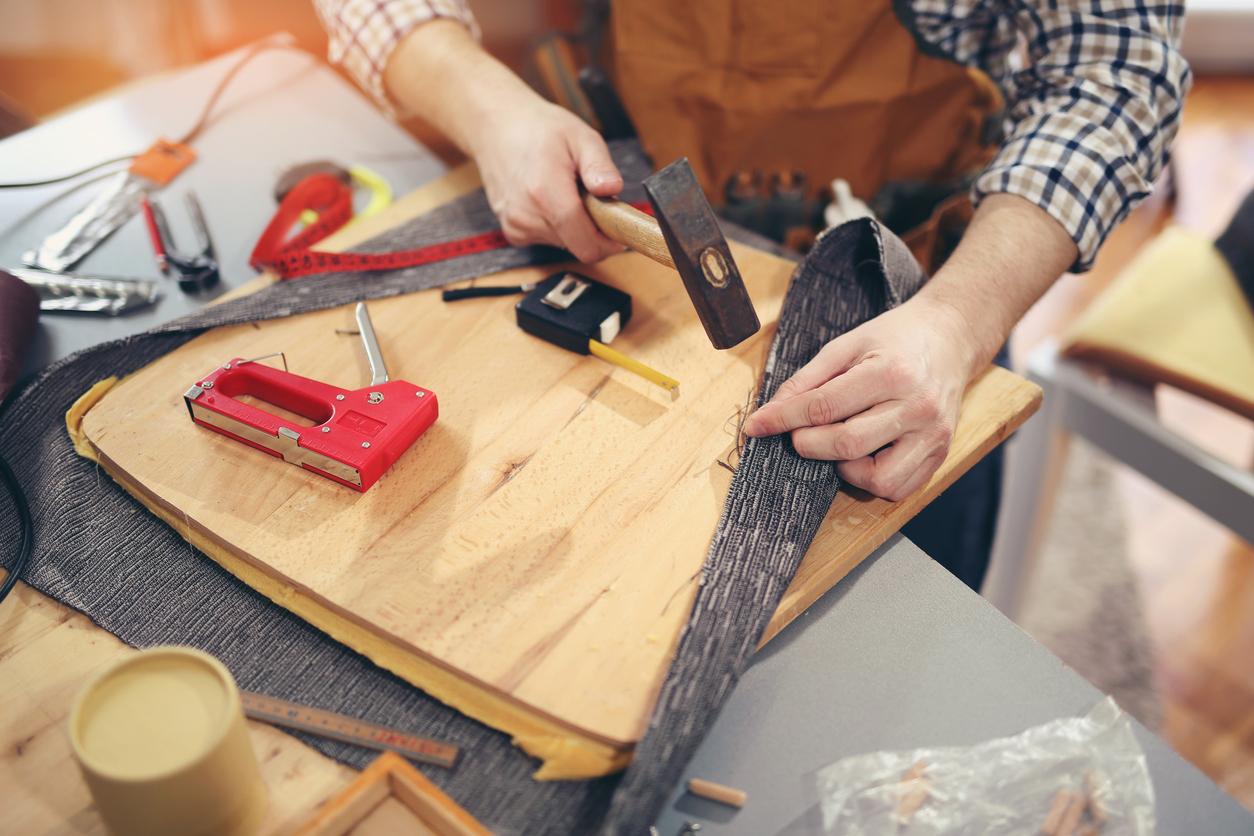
1175,315
566,754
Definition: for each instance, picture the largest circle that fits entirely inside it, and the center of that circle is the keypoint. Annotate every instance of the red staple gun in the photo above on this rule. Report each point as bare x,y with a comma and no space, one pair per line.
357,433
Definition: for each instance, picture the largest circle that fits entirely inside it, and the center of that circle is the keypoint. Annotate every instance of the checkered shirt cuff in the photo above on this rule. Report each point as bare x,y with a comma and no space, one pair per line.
363,34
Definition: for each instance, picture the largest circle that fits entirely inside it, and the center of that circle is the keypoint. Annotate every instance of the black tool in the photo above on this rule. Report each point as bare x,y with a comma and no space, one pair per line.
583,315
483,292
608,107
569,309
194,273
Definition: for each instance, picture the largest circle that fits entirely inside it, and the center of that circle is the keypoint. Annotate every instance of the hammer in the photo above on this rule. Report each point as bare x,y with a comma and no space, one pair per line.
686,237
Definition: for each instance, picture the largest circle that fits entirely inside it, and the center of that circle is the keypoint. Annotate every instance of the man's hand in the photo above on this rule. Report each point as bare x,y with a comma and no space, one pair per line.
532,162
531,154
883,399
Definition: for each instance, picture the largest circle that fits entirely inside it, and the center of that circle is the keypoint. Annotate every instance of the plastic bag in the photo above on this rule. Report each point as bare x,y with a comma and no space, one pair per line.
1055,779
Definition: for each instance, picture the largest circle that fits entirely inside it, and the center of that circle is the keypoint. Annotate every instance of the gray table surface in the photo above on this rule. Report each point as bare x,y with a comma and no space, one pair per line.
898,656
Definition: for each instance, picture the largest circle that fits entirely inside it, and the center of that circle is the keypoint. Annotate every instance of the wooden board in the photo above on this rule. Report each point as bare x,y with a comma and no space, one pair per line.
532,560
392,797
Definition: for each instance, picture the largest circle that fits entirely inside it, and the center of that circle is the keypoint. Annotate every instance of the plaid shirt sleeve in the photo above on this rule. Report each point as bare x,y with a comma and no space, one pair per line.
363,33
1093,96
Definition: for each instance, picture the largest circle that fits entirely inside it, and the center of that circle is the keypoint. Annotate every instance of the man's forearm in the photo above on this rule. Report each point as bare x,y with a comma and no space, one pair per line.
441,74
1010,255
533,155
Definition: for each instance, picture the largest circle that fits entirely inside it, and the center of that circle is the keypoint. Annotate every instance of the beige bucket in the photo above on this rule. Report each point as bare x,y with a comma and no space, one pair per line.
161,741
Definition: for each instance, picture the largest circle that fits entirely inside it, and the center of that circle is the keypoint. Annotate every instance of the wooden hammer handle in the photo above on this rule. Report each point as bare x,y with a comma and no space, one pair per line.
629,226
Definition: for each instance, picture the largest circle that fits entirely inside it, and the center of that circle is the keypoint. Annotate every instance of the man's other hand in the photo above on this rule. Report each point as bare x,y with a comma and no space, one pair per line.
882,399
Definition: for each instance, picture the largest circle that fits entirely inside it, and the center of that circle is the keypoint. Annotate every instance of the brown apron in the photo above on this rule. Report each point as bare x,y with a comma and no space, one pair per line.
827,88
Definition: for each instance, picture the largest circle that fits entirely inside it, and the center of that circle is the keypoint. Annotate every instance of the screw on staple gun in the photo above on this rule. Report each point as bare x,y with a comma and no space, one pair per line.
357,435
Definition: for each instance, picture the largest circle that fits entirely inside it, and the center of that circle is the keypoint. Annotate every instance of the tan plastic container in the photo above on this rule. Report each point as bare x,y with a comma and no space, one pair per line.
162,743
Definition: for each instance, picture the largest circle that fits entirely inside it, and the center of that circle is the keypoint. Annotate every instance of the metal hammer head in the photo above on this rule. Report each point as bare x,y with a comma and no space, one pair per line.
701,255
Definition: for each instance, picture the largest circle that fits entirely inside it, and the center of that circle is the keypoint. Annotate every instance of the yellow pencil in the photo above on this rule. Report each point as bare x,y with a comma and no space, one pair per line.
609,355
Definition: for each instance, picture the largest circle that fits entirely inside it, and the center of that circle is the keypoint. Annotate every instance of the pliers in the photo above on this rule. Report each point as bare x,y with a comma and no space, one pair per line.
196,272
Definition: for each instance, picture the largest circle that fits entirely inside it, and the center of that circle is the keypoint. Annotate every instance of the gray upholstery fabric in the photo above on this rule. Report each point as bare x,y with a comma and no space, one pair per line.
776,503
99,551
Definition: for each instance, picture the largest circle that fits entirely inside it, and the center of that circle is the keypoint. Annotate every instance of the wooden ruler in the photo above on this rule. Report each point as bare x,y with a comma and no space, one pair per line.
347,729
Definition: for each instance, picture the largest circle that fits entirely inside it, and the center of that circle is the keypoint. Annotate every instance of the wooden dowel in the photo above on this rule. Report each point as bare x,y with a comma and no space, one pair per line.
1071,819
1058,809
717,792
917,790
1097,812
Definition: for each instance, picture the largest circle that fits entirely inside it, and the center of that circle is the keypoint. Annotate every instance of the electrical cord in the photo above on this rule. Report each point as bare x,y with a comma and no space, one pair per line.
32,183
26,542
202,121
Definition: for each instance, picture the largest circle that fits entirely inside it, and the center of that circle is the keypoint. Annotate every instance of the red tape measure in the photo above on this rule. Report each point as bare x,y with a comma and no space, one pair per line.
332,200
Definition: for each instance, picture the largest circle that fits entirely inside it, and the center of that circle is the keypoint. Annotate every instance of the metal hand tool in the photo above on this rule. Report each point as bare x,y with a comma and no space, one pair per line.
195,272
90,226
76,293
687,237
111,207
357,434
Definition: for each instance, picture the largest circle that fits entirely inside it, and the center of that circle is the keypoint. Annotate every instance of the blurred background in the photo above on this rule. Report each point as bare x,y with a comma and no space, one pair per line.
55,53
1189,632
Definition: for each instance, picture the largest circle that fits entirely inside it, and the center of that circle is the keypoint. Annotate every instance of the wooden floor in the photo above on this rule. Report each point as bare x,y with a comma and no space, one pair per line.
1196,578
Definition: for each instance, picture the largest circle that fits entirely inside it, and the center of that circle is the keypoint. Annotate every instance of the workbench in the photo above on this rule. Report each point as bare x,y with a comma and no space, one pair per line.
899,655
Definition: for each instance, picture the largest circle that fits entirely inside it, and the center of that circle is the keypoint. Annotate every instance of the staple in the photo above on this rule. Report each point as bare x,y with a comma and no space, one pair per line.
278,354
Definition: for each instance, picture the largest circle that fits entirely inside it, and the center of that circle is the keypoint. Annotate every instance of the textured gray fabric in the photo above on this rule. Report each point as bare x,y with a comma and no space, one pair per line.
776,503
100,552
